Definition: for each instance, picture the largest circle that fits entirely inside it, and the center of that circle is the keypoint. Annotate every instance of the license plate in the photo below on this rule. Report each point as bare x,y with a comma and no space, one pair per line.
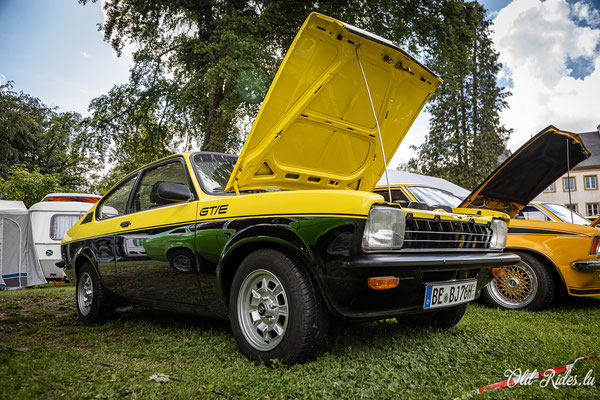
446,294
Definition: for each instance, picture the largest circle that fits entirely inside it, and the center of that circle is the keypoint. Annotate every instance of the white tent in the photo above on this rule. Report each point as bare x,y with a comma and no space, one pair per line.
408,178
19,265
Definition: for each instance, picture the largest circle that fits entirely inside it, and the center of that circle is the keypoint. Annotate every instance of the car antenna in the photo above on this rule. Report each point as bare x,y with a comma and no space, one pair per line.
569,180
387,178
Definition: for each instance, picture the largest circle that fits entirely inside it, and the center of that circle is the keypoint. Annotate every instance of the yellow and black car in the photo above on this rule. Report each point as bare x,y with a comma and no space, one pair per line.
555,254
289,233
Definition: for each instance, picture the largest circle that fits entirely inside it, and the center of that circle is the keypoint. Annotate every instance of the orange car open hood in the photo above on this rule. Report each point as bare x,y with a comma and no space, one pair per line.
316,129
530,170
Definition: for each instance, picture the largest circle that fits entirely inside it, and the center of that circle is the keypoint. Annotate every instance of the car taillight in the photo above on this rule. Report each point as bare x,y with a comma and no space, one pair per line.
595,243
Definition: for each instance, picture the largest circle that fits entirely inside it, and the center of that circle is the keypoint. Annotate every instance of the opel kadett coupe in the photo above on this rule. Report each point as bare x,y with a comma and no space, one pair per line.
288,234
554,254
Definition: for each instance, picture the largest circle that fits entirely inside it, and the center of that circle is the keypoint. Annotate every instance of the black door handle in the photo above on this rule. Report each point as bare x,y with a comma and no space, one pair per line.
125,224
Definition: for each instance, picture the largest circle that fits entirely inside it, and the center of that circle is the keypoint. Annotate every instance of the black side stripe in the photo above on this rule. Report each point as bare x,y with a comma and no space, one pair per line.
540,231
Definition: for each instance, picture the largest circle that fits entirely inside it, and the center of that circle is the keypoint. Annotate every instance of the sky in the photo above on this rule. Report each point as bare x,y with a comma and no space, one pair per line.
52,50
550,51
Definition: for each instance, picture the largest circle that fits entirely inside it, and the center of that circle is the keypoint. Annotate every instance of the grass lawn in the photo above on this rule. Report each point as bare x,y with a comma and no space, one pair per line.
46,353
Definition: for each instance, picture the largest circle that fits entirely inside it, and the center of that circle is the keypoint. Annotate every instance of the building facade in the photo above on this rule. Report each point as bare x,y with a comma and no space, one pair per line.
580,188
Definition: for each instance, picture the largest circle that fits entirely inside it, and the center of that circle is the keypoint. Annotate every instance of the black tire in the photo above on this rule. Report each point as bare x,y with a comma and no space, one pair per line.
528,285
96,308
287,297
440,319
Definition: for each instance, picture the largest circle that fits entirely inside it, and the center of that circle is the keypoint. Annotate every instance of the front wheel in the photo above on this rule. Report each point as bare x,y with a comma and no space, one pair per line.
527,285
440,319
93,305
276,311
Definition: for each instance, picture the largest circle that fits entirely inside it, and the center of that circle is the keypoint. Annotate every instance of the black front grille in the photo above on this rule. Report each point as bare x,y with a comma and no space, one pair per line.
422,233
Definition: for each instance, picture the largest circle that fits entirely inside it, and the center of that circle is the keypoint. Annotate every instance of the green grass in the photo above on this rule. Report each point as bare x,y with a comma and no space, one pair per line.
46,353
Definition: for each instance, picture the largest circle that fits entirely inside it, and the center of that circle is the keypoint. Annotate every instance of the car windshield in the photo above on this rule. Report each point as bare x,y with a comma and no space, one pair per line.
564,214
434,197
214,170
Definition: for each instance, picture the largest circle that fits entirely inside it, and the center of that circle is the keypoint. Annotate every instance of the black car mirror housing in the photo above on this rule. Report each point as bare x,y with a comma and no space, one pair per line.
174,191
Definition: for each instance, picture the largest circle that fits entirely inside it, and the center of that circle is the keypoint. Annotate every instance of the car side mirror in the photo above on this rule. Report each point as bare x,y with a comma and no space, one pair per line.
173,192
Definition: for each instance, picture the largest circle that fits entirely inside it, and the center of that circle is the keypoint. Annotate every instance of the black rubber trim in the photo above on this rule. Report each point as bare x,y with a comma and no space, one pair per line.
422,261
585,291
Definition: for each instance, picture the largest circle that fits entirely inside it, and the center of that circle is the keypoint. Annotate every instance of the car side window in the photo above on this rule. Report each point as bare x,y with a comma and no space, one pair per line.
115,204
146,195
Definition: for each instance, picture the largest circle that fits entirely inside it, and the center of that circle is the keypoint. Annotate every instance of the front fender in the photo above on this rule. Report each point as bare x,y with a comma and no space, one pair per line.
246,240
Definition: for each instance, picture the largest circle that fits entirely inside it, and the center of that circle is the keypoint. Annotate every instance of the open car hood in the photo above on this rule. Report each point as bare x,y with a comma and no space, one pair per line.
530,170
316,129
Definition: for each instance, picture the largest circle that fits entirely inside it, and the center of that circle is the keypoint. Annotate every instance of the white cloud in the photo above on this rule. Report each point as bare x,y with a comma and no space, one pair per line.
84,54
536,40
414,137
2,79
583,12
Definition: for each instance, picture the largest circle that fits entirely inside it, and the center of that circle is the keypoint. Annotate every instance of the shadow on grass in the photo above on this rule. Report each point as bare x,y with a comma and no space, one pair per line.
576,303
168,320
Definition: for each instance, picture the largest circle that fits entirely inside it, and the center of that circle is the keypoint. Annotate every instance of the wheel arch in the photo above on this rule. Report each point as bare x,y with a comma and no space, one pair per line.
232,258
542,257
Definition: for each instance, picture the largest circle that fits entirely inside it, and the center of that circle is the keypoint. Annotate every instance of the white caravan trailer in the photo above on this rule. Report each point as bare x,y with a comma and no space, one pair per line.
50,219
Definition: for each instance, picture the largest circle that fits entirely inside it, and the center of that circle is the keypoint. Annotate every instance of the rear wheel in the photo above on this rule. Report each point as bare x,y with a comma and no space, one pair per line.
527,285
93,305
276,311
440,319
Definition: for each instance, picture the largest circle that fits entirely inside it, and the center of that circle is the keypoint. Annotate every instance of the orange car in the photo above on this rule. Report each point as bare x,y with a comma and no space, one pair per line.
553,255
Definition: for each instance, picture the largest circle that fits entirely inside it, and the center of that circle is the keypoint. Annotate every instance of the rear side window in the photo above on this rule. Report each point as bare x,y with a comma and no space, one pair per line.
146,195
60,224
115,203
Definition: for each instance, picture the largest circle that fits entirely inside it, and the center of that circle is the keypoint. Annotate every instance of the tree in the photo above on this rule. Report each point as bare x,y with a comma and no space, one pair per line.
28,186
39,138
202,69
465,136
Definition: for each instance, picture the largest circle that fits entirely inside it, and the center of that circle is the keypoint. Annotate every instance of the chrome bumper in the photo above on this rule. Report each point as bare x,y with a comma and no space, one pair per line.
586,265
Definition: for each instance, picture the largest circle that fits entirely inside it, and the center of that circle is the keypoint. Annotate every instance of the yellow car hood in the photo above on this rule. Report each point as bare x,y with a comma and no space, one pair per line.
530,170
316,129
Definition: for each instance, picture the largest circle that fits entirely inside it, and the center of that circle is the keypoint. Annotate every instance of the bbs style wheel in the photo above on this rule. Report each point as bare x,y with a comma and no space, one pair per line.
276,311
527,285
93,305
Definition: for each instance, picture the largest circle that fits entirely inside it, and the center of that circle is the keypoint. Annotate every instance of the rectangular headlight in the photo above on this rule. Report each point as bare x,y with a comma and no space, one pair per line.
499,233
384,229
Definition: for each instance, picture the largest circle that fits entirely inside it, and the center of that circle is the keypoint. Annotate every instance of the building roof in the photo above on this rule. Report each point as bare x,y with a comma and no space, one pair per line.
591,140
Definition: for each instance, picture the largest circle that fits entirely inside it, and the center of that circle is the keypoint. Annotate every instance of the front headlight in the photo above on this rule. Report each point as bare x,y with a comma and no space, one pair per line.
384,229
499,233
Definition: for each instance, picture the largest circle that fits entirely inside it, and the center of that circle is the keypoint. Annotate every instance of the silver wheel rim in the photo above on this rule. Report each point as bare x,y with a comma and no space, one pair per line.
262,310
85,293
515,289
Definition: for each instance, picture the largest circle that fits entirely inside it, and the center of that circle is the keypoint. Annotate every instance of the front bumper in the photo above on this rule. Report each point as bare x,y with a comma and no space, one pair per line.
586,265
344,282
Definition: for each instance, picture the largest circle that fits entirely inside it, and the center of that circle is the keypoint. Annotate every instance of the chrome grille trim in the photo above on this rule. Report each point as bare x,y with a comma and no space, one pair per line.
422,233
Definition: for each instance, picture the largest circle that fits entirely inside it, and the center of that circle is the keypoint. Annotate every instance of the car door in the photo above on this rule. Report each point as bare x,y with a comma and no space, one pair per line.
155,246
110,213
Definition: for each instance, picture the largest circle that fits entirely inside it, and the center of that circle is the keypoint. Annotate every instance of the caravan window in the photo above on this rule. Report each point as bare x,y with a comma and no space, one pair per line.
60,224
